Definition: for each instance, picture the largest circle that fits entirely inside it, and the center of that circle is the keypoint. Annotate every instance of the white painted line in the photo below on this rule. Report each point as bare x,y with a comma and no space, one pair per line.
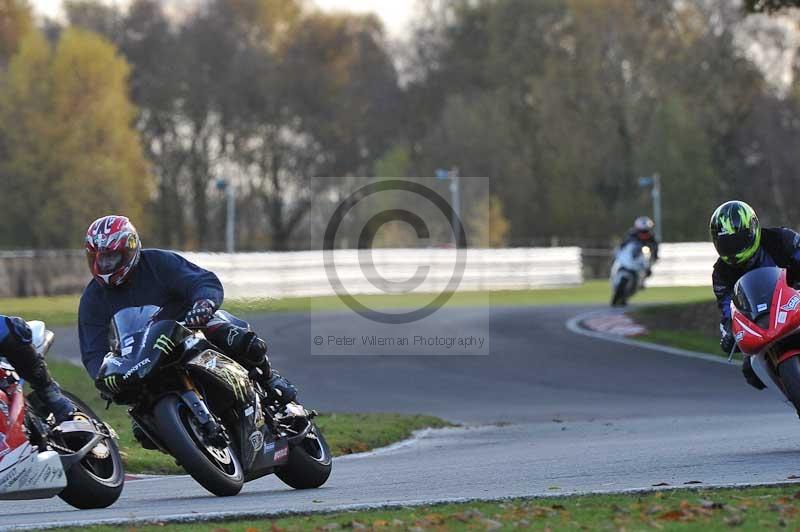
574,325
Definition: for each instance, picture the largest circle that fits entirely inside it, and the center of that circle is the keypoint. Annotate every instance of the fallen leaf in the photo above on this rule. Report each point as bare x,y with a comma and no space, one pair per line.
491,524
674,515
711,505
734,520
553,488
693,482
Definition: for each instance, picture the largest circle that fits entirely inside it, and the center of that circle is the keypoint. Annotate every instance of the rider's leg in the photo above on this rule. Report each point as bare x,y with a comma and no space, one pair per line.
247,348
16,345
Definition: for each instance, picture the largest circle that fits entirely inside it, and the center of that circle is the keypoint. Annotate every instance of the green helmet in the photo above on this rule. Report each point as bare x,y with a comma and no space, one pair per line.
735,232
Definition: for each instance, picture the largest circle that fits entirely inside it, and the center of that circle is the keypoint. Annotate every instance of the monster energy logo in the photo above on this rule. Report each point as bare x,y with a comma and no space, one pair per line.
111,383
235,383
164,344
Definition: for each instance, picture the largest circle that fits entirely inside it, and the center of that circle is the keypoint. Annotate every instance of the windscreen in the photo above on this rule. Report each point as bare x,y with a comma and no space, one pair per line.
752,294
130,320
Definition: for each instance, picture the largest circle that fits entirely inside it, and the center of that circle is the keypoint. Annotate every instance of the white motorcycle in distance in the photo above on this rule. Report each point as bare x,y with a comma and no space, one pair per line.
628,272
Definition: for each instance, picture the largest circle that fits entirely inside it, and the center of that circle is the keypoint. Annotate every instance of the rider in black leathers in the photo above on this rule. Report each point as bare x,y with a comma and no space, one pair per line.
743,245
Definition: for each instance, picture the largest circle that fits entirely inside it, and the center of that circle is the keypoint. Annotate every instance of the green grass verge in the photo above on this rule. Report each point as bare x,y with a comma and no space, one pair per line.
693,326
702,510
62,310
346,433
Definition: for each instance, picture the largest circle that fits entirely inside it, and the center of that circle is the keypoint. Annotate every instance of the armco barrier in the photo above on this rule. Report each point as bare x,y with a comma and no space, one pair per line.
283,274
684,264
303,273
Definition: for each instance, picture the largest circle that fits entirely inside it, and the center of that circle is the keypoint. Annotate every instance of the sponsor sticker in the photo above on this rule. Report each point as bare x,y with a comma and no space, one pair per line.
761,307
739,336
268,448
791,304
782,317
281,454
249,411
257,440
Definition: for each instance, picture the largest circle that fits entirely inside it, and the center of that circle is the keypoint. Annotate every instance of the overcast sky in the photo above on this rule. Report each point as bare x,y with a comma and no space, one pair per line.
394,13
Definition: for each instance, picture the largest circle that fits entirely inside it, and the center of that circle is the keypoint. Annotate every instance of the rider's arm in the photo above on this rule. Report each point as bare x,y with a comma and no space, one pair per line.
93,330
187,280
653,243
723,292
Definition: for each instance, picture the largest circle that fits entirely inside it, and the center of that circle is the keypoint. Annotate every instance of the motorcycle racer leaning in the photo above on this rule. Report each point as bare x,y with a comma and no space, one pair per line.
16,345
743,245
124,275
643,231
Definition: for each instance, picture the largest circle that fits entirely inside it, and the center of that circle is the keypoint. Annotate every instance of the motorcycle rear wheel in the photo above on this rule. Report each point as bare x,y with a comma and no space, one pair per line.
217,470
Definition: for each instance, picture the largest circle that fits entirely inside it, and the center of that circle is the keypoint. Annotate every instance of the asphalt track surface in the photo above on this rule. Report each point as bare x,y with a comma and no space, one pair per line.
547,412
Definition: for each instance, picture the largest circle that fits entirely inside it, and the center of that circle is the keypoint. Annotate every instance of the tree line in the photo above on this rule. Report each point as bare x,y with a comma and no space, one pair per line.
563,104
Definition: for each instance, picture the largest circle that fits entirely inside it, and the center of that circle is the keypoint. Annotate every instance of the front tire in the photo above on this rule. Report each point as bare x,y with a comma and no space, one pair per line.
789,372
618,299
310,463
218,471
94,482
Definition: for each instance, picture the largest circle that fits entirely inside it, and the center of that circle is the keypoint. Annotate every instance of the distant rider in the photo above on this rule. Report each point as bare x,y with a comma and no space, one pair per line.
643,232
124,275
743,245
16,345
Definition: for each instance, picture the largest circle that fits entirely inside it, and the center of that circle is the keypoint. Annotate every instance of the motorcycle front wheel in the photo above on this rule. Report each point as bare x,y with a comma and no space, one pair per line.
96,481
217,470
310,462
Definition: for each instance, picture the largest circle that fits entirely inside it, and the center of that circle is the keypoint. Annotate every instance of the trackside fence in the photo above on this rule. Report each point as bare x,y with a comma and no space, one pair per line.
303,273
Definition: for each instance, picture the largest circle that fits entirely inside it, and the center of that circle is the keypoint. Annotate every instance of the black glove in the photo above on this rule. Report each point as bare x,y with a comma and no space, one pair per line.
201,313
726,341
286,391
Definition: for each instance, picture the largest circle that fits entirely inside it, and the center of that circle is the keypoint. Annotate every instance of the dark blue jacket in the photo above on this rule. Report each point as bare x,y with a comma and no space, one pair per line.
161,278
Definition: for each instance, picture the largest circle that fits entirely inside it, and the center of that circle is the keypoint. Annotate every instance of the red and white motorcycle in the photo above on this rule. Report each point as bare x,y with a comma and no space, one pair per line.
78,460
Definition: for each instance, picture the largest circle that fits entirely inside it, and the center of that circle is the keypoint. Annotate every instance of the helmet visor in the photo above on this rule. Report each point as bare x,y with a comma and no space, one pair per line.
105,262
733,248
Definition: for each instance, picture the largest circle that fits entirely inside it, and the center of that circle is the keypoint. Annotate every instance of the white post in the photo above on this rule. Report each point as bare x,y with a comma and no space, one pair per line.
230,223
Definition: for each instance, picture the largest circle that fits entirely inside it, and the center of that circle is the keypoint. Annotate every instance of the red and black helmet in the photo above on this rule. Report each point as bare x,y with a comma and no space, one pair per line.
112,249
643,226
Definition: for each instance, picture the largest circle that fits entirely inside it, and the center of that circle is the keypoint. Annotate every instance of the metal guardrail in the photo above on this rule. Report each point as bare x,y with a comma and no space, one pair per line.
297,273
303,273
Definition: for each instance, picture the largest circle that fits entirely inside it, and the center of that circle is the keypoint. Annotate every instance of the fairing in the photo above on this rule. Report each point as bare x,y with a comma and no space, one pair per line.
765,310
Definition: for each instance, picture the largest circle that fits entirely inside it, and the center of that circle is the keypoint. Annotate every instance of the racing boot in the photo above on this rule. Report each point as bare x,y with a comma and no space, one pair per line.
17,347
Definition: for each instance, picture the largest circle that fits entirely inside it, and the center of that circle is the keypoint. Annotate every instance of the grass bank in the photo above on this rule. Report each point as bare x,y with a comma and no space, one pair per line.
62,310
346,433
702,510
693,326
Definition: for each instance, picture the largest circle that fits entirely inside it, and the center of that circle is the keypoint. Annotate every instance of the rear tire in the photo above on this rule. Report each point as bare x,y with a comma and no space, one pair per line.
172,420
309,464
94,483
789,372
